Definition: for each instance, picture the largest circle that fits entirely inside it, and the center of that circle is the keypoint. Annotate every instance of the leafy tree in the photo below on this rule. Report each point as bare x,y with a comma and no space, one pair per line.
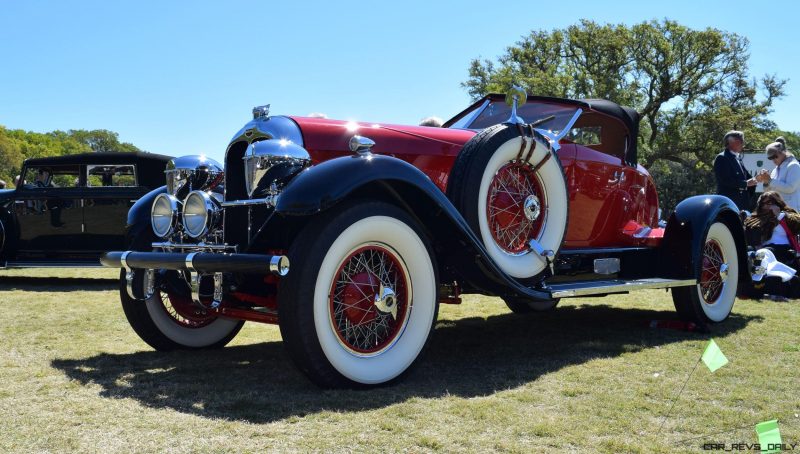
690,86
101,140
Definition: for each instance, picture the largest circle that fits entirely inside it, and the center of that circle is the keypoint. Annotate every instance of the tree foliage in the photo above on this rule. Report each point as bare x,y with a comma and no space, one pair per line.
16,145
690,86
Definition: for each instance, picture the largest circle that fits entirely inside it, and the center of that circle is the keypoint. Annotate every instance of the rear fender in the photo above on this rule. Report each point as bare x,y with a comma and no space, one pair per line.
681,250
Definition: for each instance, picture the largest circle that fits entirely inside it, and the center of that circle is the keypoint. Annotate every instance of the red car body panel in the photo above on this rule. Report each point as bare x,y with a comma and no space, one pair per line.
611,204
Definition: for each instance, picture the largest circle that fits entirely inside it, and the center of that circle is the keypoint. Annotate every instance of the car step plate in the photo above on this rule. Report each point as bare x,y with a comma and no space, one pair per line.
585,288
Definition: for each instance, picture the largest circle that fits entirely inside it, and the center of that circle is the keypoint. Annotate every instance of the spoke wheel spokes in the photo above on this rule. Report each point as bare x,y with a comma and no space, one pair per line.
711,281
183,312
510,225
361,320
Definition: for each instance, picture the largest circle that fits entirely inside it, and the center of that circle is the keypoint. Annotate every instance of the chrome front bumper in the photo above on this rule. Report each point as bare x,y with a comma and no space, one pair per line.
199,265
201,262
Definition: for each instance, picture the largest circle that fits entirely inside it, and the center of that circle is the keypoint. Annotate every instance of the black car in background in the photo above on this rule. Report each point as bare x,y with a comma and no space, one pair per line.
67,210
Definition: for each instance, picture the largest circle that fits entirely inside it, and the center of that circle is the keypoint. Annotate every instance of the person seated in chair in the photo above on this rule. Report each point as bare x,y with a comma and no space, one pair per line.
775,226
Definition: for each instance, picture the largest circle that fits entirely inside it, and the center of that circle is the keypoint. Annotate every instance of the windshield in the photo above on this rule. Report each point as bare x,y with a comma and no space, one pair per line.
496,112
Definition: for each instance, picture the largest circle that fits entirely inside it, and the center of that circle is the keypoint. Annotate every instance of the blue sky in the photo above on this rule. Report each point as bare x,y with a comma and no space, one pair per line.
181,77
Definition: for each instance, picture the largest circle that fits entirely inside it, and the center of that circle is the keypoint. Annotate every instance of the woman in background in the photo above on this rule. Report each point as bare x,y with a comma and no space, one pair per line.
775,226
785,178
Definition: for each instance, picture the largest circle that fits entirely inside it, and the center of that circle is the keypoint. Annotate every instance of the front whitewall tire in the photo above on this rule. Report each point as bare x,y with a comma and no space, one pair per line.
392,362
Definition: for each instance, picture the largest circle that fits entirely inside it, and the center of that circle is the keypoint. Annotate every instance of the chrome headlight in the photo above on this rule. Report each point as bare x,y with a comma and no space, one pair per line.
200,213
269,161
164,215
192,172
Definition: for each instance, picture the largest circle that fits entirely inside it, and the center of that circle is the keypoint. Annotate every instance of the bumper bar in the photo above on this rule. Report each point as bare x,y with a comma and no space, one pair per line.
201,262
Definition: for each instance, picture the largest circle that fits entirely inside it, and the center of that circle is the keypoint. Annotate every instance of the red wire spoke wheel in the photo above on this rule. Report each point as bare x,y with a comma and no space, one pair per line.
515,207
511,189
713,268
359,306
369,300
711,300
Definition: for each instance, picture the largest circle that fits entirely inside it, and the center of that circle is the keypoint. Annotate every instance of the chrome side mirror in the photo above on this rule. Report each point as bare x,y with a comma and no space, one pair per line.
514,97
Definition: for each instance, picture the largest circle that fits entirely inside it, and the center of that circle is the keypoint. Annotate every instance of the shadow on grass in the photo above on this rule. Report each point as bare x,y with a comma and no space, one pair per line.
57,284
467,357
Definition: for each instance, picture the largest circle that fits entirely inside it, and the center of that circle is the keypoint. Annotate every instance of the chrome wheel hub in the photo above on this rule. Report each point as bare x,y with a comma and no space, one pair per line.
386,301
532,207
723,272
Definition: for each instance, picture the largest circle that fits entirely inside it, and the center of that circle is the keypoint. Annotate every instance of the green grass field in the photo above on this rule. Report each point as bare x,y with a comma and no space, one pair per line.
589,376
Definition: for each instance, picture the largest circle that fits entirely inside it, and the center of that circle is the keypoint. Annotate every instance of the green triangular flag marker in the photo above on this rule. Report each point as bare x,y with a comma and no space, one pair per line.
713,357
769,437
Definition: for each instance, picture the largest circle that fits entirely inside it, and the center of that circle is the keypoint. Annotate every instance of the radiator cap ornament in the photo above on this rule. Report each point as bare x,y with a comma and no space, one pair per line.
261,111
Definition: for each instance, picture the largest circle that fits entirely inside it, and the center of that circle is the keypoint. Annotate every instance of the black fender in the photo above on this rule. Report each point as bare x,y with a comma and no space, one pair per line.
458,249
682,247
139,215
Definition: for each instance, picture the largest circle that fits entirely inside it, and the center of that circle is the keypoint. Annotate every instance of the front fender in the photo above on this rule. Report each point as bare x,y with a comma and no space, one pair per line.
682,248
458,249
139,215
324,185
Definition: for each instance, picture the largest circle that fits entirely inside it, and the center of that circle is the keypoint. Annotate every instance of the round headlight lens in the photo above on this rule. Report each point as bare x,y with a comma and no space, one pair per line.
164,215
199,213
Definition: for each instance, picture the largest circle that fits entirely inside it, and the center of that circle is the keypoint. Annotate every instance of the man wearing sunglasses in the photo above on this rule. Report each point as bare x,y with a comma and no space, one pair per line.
733,179
785,177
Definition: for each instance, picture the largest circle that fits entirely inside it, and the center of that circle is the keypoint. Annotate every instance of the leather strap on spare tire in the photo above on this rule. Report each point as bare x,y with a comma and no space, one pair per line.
511,190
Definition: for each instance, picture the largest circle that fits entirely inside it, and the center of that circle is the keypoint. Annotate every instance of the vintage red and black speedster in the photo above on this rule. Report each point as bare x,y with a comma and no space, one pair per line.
382,223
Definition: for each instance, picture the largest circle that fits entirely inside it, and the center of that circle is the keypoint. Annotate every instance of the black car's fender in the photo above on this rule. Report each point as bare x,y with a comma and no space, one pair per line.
459,250
139,215
682,248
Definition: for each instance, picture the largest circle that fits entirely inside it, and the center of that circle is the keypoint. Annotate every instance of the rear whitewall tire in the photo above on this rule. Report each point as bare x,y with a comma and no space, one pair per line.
701,302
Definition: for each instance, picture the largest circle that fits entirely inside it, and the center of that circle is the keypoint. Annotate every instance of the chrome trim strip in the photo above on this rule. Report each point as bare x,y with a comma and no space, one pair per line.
574,289
196,246
269,201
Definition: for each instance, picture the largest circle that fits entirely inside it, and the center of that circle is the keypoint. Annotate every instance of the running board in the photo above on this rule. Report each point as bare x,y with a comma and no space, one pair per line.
586,288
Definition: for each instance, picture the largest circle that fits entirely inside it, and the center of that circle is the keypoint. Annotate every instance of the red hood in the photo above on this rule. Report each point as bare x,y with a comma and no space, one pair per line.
321,135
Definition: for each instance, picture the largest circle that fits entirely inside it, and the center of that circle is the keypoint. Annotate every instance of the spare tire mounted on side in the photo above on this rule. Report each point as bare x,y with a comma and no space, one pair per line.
511,189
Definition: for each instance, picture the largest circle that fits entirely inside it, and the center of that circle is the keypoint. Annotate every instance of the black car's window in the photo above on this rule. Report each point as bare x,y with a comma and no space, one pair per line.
111,175
52,177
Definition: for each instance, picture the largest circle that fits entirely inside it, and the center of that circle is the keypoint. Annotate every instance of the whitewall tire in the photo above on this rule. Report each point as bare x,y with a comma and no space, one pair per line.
711,300
510,197
360,308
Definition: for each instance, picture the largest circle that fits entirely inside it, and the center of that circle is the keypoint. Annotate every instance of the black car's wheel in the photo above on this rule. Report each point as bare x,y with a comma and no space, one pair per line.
171,321
711,300
511,192
360,302
523,306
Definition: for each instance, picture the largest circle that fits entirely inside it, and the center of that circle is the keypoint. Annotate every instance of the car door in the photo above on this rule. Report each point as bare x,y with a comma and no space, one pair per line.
111,189
597,183
48,211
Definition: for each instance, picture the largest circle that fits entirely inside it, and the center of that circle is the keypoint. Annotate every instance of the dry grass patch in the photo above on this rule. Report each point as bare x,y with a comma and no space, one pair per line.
589,376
